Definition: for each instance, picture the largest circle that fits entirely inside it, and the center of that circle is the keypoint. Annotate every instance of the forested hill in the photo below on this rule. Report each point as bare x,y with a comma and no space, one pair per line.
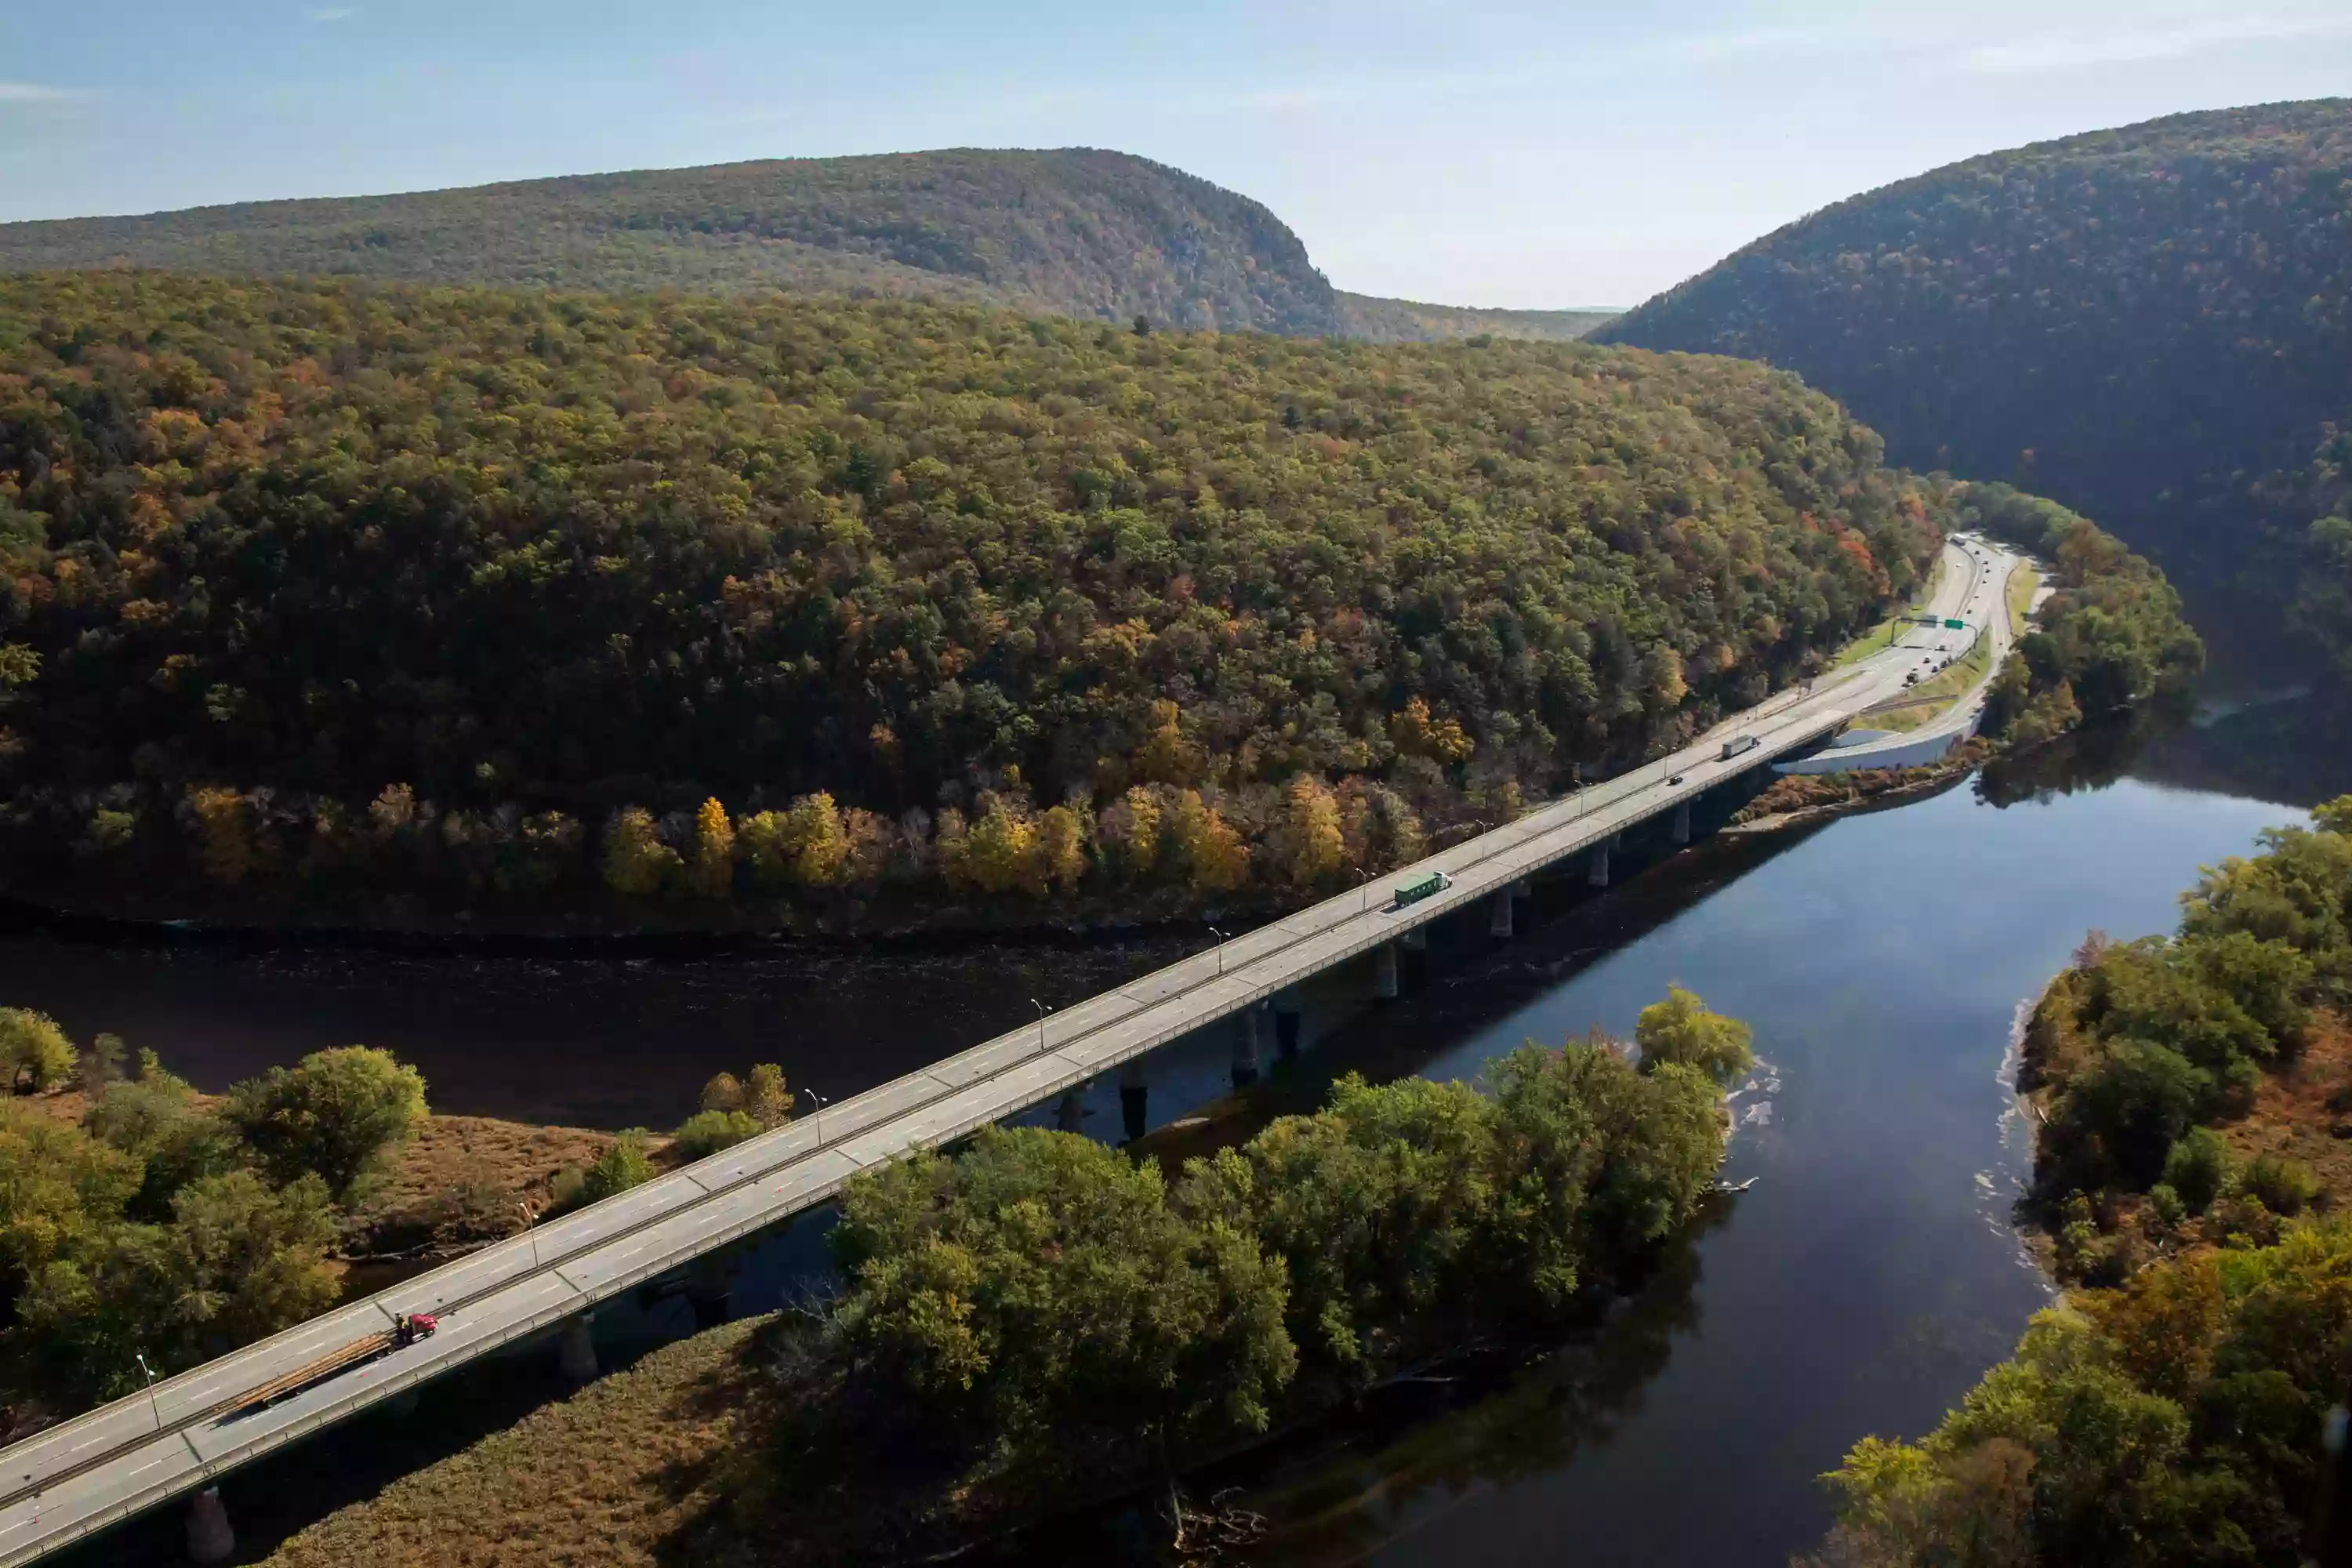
2152,325
1381,321
310,559
1074,231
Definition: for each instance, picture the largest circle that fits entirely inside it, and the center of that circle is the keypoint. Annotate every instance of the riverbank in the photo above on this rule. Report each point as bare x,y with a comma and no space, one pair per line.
1794,800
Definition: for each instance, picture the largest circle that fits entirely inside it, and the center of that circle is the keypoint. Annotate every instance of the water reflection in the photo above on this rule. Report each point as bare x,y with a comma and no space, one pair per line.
2293,746
1417,1450
1869,1278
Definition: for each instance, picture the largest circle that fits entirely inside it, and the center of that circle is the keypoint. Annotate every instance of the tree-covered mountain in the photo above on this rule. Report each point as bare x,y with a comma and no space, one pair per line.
2152,325
1074,231
1381,321
295,562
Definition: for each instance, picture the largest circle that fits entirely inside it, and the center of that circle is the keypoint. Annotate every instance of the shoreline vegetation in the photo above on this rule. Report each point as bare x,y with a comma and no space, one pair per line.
2192,1186
1037,1324
145,1219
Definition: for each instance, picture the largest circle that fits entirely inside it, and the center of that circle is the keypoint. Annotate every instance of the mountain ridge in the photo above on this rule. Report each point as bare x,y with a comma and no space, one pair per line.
1078,231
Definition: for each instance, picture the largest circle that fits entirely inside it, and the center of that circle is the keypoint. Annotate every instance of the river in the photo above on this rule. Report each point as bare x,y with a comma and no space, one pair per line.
1863,1283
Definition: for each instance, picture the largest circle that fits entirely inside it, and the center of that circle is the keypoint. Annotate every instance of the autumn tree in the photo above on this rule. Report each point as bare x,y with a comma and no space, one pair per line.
223,833
35,1053
636,862
1060,850
1312,829
1214,857
712,875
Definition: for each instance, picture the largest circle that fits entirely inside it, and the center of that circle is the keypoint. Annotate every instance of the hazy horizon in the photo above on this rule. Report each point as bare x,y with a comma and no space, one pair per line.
1486,153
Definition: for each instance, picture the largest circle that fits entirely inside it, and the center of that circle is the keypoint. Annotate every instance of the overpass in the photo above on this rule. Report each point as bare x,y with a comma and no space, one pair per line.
85,1474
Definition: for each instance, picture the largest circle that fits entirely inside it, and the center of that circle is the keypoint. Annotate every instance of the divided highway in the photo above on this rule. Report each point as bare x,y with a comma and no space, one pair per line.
90,1472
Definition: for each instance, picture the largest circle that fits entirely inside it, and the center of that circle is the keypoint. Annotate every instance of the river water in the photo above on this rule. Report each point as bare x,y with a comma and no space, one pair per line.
1860,1286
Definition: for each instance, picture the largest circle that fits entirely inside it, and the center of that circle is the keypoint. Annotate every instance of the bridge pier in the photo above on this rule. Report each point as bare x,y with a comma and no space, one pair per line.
1415,941
1498,919
1070,1114
1285,1024
1245,1048
210,1539
1134,1097
576,1351
1384,973
1599,876
1682,822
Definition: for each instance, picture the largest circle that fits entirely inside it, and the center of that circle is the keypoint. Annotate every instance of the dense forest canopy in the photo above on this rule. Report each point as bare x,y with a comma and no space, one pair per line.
2152,325
574,551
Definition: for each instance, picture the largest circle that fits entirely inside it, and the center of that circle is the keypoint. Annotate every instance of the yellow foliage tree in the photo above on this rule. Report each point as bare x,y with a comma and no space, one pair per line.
1311,831
636,862
1215,859
998,854
223,833
1061,849
1128,831
1168,757
1416,735
815,844
713,875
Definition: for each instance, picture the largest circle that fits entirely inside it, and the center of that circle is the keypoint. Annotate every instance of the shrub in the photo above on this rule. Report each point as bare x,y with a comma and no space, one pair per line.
624,1165
2198,1168
707,1131
2282,1185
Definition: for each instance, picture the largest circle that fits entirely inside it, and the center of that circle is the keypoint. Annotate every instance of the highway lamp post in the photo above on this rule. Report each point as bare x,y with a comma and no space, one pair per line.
152,1408
1221,940
1042,1011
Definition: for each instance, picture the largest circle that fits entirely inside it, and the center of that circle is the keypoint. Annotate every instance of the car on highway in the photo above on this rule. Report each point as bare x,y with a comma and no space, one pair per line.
1676,780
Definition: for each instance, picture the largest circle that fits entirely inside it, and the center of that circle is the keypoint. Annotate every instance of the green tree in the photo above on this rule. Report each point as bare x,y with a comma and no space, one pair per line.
1681,1030
2199,1168
157,1121
337,1114
1044,1284
238,1261
707,1131
57,1188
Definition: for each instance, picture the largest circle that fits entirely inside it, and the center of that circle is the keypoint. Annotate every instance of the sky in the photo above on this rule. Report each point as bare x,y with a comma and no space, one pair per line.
1466,152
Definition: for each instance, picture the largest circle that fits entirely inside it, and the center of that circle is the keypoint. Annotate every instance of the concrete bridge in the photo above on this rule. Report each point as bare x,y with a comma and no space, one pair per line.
86,1474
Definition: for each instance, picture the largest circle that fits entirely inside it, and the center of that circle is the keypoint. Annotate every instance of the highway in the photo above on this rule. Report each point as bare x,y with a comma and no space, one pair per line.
1992,567
90,1472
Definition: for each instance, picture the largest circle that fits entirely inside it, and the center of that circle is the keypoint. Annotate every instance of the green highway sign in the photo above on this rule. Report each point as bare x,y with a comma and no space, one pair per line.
1953,626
